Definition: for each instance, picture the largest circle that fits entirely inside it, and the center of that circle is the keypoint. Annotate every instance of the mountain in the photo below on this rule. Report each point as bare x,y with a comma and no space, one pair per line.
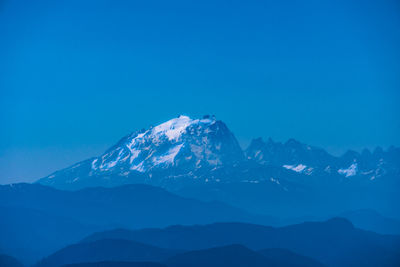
201,158
174,150
8,261
133,206
310,160
137,206
334,242
106,250
291,153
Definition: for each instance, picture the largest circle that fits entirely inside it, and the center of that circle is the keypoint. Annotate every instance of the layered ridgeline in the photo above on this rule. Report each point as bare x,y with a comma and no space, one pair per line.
36,220
335,242
201,158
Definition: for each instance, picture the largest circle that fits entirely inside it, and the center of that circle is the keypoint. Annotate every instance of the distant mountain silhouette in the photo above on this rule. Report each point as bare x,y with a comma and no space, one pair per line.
58,218
334,242
106,250
365,219
133,206
116,264
8,261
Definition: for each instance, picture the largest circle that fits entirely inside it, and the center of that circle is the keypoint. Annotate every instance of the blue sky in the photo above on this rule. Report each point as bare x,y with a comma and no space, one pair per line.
75,76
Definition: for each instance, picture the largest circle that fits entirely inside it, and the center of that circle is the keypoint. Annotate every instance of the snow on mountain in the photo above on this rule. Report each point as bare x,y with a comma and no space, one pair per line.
181,141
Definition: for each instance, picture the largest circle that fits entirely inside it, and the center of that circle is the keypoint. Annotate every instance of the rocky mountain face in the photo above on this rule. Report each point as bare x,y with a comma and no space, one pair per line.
181,143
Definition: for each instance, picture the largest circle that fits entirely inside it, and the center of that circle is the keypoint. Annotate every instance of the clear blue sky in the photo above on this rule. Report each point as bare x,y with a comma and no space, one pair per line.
75,76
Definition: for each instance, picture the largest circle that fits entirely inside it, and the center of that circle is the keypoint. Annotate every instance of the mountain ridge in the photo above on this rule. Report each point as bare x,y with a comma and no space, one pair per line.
185,151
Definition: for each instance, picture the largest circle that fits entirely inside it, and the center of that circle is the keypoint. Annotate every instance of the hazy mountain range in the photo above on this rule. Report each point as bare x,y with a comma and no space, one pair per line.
184,193
307,239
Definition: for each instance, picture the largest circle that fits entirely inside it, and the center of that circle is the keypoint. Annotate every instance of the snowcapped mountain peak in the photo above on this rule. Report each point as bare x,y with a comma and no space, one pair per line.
179,147
158,146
